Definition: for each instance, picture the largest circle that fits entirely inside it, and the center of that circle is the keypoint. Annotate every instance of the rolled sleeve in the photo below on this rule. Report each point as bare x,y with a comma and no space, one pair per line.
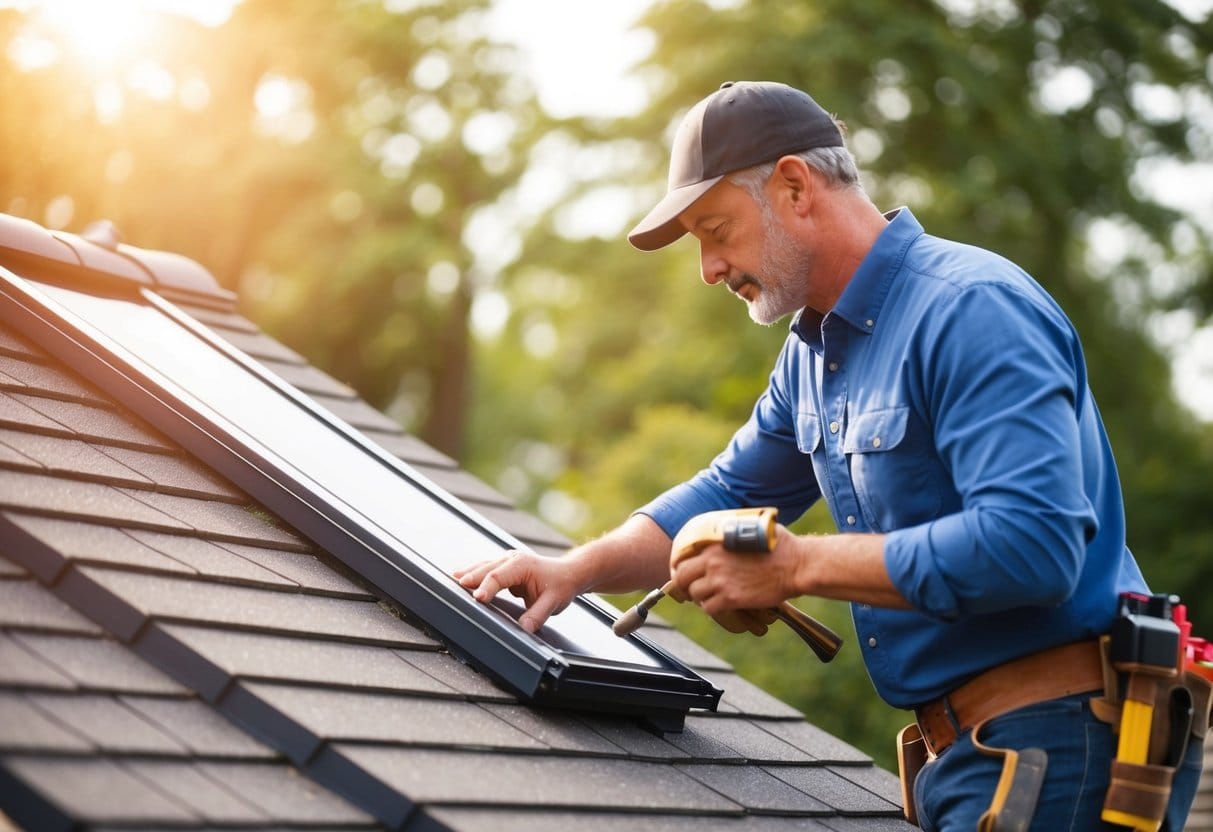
1006,378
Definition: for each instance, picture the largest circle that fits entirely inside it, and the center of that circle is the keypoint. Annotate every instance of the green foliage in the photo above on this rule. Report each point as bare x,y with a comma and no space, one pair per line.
322,157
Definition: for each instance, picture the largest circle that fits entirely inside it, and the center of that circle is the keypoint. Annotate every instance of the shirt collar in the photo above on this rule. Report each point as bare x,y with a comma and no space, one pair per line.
862,299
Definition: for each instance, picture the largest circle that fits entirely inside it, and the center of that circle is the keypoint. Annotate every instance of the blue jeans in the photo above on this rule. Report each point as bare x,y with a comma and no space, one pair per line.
953,790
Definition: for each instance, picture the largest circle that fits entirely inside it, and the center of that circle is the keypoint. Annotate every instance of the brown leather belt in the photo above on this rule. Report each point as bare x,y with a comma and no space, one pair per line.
1049,674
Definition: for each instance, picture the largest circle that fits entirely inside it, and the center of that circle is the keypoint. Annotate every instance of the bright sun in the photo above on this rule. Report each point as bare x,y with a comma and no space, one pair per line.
97,32
100,33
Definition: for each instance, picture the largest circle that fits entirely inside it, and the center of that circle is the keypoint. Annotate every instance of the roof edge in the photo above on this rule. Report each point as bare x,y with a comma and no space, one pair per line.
98,257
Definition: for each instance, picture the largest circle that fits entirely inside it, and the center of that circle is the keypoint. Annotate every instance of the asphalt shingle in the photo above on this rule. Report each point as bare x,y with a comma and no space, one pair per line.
220,521
471,777
211,559
57,454
835,791
26,605
253,608
749,740
16,413
301,568
755,789
107,723
97,664
102,504
197,727
192,787
51,542
308,661
85,421
175,474
558,730
23,376
284,794
388,718
97,790
24,668
24,727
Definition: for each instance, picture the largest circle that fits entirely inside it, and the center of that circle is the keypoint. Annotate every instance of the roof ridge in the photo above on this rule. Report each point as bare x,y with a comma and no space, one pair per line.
98,260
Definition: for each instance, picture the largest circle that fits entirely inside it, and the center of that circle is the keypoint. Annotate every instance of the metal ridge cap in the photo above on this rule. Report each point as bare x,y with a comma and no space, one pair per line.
26,237
178,274
98,257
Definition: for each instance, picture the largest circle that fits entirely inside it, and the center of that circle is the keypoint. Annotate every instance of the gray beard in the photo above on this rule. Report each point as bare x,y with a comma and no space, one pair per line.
785,267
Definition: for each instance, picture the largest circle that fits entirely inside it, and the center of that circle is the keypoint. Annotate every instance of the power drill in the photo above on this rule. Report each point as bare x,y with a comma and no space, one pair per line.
738,530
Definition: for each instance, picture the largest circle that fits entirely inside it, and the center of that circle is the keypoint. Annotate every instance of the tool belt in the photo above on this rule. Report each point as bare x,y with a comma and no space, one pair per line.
1071,669
1051,674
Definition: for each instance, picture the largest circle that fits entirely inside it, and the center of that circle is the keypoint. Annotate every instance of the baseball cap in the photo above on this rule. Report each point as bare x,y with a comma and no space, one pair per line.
742,124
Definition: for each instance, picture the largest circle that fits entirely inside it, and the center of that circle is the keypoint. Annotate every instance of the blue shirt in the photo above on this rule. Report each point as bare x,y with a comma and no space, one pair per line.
944,402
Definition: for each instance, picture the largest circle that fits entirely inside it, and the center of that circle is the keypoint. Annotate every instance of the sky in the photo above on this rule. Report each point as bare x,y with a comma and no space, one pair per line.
580,52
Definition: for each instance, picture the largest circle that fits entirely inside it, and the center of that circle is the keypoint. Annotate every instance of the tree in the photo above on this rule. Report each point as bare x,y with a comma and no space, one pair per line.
324,158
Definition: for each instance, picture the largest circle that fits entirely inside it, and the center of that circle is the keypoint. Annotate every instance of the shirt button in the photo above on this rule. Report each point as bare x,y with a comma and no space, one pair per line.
833,366
876,442
850,519
872,641
833,427
869,323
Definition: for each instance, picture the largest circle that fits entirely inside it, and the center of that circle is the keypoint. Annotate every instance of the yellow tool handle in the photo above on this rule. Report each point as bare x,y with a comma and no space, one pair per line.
737,529
1136,719
740,530
753,530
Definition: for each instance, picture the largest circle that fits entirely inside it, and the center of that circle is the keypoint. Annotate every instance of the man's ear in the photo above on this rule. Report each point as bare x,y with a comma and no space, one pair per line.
794,184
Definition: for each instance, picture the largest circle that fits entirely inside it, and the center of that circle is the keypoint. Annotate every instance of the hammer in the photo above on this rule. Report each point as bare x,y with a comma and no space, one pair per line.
738,530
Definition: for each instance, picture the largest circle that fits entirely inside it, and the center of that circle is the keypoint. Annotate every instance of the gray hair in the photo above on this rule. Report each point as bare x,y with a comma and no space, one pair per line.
835,163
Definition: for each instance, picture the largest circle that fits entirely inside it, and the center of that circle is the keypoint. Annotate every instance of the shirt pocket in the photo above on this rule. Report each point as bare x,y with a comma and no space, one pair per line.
890,468
808,432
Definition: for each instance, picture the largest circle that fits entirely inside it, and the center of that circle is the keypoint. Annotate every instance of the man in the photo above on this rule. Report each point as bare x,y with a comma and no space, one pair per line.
936,397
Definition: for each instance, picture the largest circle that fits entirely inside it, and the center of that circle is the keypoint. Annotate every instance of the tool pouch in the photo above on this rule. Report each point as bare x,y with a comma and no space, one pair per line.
912,755
1018,789
1139,791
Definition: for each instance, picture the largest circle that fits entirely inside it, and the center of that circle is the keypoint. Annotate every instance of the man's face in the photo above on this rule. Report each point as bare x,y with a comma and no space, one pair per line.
744,245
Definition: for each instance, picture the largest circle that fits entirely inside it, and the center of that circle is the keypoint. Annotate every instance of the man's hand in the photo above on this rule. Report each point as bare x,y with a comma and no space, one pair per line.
746,621
725,583
545,585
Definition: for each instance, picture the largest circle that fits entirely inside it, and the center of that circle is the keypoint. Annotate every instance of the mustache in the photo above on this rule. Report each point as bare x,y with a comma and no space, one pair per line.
735,283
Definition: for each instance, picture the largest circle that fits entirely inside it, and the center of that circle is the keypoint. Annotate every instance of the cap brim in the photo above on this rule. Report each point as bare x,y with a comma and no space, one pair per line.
660,227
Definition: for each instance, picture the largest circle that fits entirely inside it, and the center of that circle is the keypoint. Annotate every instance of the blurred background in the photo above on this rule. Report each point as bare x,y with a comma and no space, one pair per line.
429,201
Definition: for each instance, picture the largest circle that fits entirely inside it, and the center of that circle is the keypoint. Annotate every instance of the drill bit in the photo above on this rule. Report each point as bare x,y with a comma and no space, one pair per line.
634,619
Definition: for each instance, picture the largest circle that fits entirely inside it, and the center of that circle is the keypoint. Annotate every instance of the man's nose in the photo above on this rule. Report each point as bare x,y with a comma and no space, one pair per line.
713,269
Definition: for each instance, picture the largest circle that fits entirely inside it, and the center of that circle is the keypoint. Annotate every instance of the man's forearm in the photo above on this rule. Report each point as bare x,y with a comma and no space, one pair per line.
634,555
847,567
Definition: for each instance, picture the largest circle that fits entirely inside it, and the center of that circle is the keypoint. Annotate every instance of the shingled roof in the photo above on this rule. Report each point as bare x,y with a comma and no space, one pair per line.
174,656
